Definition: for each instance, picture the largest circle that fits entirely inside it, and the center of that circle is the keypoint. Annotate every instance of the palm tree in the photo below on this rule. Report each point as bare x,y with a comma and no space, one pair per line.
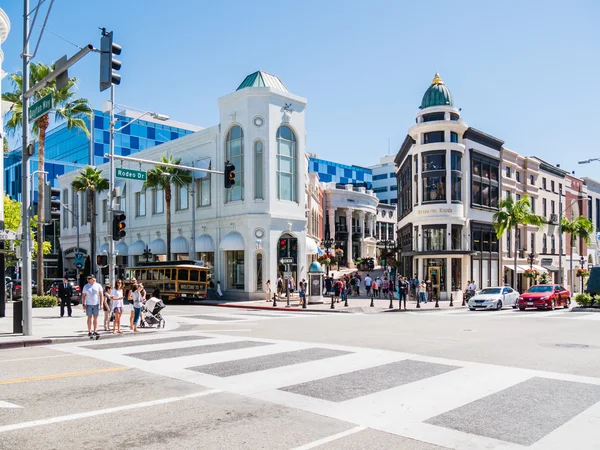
511,215
580,228
90,180
66,107
161,177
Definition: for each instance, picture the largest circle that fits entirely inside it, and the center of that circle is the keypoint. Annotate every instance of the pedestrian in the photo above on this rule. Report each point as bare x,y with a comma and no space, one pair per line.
429,289
128,303
385,286
344,291
403,292
379,282
117,306
65,293
219,292
279,286
328,285
138,297
368,282
302,291
91,299
107,306
291,285
422,292
337,289
268,290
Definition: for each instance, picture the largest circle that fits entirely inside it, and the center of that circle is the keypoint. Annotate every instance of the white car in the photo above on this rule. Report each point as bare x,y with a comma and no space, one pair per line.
494,298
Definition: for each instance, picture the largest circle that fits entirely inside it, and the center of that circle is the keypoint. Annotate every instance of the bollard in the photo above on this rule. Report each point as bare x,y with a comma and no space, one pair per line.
332,306
451,300
346,300
372,304
418,302
304,301
437,305
274,300
463,303
391,302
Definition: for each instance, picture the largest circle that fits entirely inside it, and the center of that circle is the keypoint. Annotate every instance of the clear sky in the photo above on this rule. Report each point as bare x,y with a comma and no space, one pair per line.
523,71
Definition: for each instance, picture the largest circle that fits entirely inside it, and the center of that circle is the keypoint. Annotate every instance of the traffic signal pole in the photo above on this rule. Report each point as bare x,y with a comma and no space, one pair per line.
111,193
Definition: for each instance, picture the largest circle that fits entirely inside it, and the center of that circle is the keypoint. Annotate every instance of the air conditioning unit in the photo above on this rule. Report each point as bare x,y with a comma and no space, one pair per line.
553,219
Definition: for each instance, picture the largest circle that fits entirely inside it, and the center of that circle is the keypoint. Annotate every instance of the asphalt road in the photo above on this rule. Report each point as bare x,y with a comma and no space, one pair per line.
224,378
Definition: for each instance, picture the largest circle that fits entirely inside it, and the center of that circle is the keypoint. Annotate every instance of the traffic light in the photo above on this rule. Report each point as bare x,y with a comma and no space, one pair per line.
108,62
47,213
102,260
54,201
118,225
229,175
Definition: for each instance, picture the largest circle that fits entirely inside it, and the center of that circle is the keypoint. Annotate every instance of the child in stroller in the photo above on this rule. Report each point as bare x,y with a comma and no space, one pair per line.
151,311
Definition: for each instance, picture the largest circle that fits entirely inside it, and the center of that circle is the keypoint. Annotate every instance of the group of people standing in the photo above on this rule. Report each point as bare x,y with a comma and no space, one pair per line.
113,300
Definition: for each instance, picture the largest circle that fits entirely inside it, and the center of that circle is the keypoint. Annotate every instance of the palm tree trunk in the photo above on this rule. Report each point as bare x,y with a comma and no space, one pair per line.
168,205
571,264
515,286
92,234
43,123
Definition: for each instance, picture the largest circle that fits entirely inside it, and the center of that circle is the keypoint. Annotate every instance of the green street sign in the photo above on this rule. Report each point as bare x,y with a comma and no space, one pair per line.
39,108
129,174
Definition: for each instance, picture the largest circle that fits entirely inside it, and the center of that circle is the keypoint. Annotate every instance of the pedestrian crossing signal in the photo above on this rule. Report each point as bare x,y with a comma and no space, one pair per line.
102,260
229,175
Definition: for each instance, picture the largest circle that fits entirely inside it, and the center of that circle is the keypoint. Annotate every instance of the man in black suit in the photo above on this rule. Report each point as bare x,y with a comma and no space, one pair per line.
65,292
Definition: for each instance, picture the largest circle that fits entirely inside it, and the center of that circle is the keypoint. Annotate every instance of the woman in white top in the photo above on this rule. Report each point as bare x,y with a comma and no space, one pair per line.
117,306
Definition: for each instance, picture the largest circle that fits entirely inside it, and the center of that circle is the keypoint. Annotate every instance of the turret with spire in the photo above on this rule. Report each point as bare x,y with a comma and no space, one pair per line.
437,94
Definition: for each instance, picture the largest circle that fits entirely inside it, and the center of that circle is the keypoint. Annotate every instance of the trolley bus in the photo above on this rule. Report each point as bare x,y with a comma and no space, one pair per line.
176,280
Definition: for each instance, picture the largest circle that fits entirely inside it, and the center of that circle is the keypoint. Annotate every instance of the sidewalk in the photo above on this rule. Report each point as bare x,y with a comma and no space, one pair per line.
50,328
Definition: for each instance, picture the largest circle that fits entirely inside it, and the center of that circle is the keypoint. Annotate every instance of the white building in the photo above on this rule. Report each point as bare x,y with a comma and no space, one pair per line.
242,232
384,180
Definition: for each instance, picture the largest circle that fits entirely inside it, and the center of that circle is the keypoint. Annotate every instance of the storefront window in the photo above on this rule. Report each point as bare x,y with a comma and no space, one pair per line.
434,161
484,181
259,272
485,260
456,271
434,189
456,237
435,271
235,269
434,238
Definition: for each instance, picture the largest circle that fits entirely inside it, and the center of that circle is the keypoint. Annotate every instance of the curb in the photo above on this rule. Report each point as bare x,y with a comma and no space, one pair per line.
49,341
581,309
276,308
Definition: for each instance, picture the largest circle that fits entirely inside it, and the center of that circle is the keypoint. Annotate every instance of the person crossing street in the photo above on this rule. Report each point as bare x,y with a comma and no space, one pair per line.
92,298
65,293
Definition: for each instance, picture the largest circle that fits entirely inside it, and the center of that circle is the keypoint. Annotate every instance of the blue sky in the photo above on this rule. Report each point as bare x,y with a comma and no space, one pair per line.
521,71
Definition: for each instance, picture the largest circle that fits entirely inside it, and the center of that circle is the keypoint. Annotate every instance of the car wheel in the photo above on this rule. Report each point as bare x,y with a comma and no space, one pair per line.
553,306
472,309
499,306
521,309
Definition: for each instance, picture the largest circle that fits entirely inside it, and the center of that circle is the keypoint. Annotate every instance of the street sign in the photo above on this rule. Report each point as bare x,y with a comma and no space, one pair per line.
79,260
286,260
39,108
139,175
7,235
287,275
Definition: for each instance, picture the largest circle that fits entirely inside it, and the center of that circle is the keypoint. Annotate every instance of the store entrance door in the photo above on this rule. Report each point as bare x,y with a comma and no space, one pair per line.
433,273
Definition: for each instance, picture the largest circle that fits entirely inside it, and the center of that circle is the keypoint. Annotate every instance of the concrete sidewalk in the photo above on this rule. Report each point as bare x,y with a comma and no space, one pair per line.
50,328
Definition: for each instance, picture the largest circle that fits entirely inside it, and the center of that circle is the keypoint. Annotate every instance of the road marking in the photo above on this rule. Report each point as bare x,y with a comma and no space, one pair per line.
35,357
63,375
333,437
8,405
83,415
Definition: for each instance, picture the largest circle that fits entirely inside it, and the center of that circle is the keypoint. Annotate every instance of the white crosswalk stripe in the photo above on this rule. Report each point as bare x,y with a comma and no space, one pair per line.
420,389
514,314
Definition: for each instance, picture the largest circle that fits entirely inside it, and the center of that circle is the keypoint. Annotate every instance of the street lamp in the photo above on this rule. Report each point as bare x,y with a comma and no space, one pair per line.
530,259
327,243
587,161
582,261
147,253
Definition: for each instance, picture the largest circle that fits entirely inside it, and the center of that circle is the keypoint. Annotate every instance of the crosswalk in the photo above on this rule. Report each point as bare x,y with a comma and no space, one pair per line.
514,314
450,403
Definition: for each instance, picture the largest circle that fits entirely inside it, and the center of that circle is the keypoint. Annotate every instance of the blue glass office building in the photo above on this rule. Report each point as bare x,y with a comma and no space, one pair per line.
341,173
67,150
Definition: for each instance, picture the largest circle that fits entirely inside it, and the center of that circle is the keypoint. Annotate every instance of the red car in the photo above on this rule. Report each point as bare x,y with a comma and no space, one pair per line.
545,296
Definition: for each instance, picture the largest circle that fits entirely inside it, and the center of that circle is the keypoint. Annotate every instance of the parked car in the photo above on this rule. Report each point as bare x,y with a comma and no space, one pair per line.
545,296
494,298
75,298
18,290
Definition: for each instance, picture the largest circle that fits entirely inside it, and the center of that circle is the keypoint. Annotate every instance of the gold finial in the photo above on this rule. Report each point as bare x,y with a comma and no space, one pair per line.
437,79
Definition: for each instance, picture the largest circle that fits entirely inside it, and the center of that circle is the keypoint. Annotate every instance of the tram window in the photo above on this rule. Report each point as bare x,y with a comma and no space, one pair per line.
143,275
193,275
203,275
137,274
153,274
183,275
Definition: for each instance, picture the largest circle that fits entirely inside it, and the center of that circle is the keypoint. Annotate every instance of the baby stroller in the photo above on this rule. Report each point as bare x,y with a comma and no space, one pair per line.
151,313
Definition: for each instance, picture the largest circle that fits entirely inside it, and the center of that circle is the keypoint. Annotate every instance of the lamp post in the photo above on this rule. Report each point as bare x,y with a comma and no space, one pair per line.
530,259
582,261
147,253
328,243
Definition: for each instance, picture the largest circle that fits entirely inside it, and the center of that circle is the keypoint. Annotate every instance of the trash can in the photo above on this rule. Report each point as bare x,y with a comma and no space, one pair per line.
18,316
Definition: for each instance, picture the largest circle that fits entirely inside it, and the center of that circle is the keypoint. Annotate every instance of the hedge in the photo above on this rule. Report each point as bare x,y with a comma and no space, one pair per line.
44,301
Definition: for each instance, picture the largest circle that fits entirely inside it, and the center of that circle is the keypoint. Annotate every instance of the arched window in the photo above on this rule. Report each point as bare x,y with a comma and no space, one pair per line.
258,169
553,241
234,153
286,164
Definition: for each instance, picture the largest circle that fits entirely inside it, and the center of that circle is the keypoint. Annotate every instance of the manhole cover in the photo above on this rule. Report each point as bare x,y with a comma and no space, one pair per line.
467,330
573,345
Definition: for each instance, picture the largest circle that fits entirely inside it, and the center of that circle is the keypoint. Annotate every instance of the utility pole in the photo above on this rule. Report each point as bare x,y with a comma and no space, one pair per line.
26,242
111,194
193,192
560,237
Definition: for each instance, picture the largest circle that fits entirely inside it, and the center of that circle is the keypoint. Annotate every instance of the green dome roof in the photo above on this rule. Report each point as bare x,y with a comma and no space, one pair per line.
437,94
315,267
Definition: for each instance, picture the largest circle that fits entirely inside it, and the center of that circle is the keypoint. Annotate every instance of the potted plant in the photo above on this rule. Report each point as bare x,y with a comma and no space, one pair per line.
544,278
582,273
531,274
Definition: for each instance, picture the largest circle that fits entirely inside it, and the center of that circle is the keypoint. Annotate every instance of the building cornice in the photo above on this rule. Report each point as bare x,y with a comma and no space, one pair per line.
482,138
404,149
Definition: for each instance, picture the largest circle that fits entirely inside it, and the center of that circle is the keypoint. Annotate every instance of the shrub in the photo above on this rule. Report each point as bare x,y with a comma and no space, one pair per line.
583,300
544,278
44,301
596,301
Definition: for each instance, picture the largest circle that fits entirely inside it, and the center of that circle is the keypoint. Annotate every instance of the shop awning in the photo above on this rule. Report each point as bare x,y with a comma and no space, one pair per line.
231,242
122,249
158,247
180,245
311,247
137,248
551,268
523,267
204,244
